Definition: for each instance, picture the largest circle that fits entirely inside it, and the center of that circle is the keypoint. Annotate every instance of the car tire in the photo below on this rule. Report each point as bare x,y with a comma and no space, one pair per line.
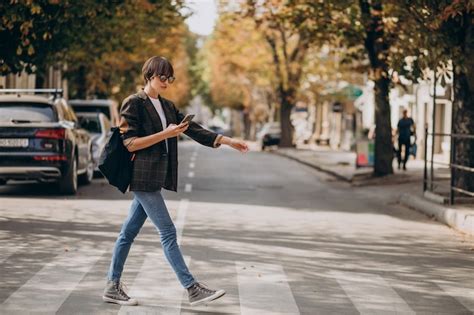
68,184
87,177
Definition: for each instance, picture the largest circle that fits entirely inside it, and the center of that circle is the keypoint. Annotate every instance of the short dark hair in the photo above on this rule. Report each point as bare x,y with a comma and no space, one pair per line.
156,65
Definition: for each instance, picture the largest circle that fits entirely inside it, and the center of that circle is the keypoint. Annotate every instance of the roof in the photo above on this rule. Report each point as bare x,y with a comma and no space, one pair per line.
25,98
94,102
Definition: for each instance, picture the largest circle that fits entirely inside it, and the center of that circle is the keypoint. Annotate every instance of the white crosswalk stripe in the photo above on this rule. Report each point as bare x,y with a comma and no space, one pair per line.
464,295
264,289
188,188
156,288
371,294
49,288
181,218
6,252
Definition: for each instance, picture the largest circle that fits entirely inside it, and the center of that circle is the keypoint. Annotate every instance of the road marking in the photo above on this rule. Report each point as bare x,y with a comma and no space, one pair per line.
156,288
191,165
264,289
191,174
180,218
7,252
193,158
188,188
464,295
371,294
50,287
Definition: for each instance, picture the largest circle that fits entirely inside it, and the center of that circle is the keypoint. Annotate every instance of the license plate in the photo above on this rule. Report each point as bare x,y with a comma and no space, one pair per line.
14,143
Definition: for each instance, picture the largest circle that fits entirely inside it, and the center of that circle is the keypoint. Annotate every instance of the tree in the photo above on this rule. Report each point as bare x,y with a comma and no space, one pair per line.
36,33
365,32
237,80
108,63
443,34
289,44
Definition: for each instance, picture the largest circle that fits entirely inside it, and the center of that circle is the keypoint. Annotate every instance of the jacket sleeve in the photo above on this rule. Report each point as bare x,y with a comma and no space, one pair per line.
198,133
129,118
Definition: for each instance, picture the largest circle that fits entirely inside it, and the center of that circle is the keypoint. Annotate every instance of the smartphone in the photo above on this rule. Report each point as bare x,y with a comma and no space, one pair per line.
187,118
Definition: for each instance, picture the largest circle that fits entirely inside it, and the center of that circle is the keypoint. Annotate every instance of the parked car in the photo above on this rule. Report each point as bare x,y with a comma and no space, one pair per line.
98,125
105,106
269,135
40,139
220,130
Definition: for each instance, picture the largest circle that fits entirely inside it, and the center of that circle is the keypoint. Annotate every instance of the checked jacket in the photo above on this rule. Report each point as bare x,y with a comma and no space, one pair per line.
155,167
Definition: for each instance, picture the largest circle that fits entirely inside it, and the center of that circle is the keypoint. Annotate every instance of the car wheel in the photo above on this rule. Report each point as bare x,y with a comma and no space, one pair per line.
87,177
68,184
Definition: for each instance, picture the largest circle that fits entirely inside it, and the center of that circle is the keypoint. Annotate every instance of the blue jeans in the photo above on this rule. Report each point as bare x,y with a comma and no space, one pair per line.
151,205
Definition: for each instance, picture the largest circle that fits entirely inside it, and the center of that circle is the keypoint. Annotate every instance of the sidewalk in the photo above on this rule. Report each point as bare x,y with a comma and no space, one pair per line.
341,164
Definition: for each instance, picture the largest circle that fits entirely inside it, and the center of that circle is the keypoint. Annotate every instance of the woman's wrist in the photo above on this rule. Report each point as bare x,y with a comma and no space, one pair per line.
225,140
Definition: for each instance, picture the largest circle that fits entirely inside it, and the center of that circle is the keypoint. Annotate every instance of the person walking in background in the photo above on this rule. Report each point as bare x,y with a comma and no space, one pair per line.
405,129
150,125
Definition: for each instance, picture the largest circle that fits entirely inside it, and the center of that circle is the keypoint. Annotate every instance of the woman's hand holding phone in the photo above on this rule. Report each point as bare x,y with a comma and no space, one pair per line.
175,130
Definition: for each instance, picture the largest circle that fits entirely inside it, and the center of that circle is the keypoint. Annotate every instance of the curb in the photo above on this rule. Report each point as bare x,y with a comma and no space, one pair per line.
460,220
321,169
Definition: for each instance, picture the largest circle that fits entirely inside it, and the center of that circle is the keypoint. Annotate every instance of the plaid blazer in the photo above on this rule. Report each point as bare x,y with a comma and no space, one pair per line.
155,167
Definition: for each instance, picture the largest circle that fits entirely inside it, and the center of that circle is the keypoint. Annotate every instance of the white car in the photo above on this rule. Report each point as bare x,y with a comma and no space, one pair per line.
98,125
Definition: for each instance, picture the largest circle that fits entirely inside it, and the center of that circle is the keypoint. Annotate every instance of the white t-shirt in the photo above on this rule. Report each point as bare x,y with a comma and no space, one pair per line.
161,113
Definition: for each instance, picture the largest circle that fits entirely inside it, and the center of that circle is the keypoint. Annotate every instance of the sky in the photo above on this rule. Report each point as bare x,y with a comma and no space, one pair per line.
204,17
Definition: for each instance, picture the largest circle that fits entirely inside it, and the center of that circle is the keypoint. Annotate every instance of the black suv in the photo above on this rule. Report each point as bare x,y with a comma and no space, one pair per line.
40,139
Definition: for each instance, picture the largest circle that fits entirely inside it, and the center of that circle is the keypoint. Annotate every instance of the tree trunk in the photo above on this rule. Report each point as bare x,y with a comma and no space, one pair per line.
286,140
383,130
463,112
377,50
78,83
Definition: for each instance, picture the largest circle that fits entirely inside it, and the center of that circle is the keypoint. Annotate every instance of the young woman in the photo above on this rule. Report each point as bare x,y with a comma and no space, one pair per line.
150,125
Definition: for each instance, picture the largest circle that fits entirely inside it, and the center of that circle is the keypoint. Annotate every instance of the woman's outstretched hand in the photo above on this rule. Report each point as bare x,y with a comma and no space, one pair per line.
238,145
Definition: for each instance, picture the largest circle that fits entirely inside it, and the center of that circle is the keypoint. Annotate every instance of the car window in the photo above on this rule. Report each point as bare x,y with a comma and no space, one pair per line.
91,124
92,109
26,112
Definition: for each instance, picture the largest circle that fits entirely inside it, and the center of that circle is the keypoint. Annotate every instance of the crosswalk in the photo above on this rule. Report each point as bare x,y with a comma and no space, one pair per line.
263,288
72,282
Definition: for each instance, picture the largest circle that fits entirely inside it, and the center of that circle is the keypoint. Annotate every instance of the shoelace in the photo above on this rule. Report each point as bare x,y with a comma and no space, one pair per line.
204,288
119,287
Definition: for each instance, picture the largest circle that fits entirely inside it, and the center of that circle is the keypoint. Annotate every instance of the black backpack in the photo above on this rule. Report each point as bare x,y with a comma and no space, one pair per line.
116,162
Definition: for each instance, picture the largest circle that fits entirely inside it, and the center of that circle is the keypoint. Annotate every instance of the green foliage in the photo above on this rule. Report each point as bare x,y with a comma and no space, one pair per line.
35,33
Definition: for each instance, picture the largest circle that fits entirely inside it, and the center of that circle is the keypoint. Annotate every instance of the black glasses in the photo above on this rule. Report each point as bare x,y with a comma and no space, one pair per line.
170,79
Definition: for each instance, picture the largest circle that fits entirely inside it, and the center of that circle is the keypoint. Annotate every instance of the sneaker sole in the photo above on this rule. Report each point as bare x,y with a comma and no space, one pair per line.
128,303
213,297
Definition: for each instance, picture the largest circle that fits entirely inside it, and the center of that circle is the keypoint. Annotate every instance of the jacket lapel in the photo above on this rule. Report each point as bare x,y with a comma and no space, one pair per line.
153,114
169,114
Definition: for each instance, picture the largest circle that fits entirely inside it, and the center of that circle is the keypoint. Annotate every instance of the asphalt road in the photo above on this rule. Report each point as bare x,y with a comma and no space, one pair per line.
279,237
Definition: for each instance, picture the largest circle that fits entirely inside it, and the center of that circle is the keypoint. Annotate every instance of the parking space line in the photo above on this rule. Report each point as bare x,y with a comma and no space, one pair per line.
50,287
156,288
264,289
371,294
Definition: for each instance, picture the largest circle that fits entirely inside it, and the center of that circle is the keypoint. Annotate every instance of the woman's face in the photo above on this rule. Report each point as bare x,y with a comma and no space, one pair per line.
158,85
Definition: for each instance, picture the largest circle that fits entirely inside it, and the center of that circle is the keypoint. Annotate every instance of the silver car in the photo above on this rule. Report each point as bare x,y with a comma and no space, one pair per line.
98,125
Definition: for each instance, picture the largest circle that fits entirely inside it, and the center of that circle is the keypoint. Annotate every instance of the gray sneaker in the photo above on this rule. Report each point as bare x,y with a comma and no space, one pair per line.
200,293
114,293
